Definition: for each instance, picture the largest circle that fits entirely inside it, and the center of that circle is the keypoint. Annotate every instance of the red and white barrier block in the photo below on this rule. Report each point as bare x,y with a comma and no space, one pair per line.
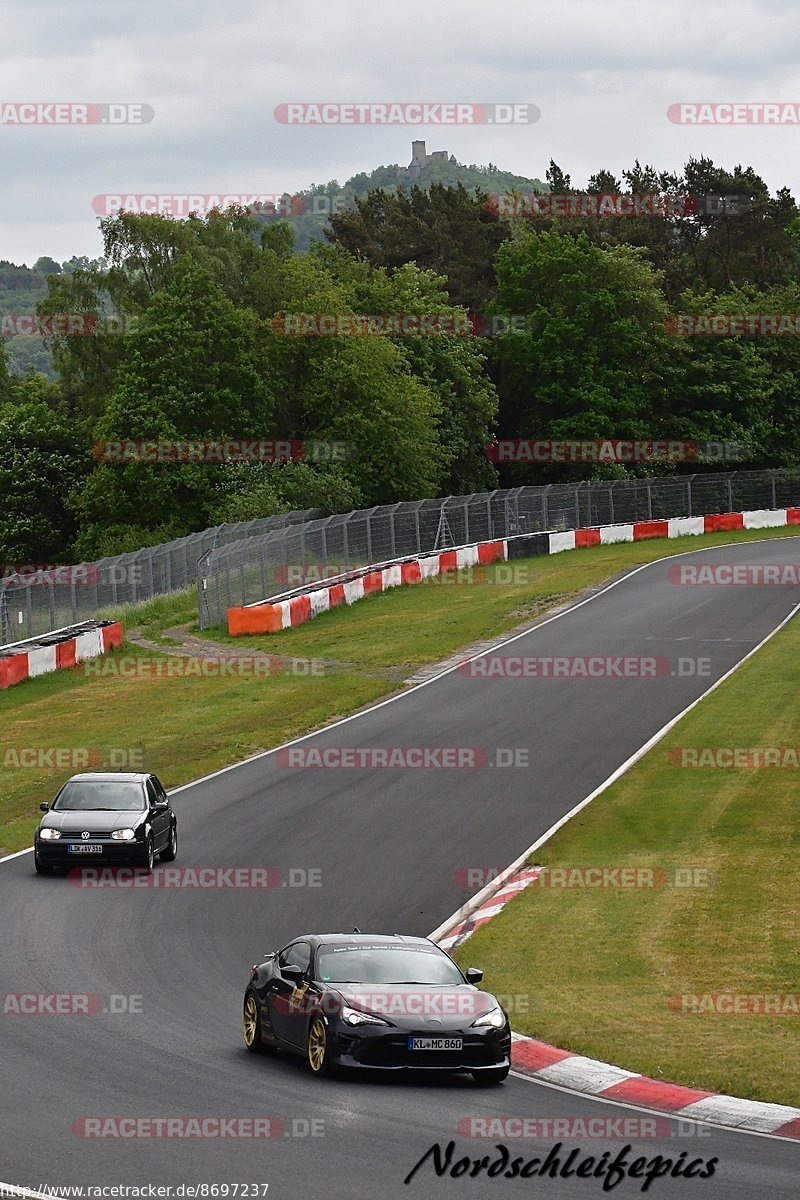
675,527
272,616
56,651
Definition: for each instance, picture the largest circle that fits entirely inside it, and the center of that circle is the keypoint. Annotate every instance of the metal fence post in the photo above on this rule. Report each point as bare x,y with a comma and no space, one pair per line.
649,500
774,499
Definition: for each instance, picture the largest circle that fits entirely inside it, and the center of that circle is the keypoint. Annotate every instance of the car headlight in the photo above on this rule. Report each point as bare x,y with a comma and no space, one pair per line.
494,1017
123,835
49,835
353,1016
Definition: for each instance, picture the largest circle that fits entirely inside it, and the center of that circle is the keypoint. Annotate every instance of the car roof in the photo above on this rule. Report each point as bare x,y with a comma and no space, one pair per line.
364,939
110,776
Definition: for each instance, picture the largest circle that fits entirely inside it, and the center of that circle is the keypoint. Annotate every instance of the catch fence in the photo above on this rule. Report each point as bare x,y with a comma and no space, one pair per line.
269,564
44,597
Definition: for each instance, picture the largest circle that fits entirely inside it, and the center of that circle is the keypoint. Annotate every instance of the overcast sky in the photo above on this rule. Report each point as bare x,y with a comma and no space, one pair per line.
602,72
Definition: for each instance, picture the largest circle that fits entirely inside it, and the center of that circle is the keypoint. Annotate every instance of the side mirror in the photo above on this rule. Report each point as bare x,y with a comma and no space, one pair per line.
44,807
474,974
292,974
160,807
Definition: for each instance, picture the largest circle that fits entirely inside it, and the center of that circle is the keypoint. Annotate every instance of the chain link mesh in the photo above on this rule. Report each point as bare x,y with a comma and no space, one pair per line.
270,564
40,601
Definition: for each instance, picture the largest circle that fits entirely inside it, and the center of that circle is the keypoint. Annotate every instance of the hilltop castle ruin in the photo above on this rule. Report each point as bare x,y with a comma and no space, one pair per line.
420,159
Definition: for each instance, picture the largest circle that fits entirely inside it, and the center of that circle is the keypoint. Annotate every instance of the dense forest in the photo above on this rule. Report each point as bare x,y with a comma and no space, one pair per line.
189,322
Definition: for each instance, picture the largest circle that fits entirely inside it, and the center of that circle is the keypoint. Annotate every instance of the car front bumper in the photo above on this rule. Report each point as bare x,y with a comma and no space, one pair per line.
111,853
385,1050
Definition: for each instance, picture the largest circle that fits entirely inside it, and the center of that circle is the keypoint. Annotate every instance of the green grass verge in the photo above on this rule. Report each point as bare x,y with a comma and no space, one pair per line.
598,967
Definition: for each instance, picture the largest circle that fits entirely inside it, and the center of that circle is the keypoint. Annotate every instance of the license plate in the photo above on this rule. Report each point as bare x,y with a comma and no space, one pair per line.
440,1043
87,848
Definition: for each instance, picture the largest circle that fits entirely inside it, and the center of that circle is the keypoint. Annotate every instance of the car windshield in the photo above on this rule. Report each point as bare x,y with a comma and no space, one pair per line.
386,964
94,795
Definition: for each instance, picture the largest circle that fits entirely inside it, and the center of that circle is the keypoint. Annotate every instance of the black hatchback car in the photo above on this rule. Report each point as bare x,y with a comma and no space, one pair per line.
107,819
380,1002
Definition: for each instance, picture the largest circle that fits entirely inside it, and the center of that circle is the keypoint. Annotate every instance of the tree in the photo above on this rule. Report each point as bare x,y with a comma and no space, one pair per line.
189,372
47,266
5,378
452,366
42,462
592,360
448,231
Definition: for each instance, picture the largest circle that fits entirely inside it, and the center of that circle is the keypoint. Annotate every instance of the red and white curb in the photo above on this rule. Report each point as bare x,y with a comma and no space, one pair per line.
547,1064
490,907
55,652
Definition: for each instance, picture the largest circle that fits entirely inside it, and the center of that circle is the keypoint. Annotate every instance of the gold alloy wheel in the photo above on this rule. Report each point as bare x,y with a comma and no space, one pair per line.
250,1022
317,1045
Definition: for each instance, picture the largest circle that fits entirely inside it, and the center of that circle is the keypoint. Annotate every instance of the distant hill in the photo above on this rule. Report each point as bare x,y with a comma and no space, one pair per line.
311,208
21,289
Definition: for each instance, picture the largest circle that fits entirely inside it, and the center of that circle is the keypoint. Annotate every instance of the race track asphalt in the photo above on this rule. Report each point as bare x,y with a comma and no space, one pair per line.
387,844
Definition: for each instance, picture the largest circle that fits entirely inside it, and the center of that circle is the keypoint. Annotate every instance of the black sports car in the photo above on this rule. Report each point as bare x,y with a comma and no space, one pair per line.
107,819
358,1000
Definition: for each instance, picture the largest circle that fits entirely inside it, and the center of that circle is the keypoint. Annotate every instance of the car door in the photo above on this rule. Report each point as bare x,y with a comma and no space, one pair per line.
163,798
159,815
285,997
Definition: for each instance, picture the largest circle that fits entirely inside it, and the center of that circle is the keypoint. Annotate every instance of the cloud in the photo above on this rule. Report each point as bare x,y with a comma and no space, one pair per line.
603,77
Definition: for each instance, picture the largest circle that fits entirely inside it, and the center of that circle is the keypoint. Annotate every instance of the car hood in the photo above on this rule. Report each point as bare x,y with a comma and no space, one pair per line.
410,1006
95,820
